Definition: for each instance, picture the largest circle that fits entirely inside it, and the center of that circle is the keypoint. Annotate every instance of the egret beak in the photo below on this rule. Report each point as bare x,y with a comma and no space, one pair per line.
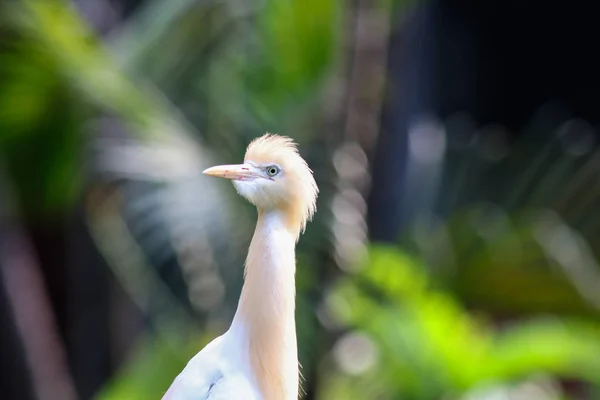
239,172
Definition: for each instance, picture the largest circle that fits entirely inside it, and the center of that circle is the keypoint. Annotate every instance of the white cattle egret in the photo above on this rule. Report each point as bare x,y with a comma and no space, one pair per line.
257,357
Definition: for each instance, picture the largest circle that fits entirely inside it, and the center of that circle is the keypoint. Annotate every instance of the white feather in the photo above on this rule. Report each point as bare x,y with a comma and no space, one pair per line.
219,371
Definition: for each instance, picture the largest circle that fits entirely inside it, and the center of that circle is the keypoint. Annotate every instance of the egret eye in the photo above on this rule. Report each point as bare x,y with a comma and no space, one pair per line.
272,170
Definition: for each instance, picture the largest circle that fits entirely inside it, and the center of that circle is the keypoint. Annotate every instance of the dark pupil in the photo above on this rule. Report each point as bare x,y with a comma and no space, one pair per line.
272,171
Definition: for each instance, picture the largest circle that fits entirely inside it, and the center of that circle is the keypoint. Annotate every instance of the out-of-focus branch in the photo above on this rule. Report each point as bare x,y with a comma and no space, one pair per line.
368,54
31,312
368,75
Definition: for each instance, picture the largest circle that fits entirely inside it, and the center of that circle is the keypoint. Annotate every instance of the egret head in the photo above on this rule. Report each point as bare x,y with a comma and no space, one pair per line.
274,177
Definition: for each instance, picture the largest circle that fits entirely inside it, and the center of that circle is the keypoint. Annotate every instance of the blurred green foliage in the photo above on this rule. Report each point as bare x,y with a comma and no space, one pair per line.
39,134
495,260
429,346
297,41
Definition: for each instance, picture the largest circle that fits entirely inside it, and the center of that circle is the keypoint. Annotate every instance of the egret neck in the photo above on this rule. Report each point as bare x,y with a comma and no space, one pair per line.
265,313
257,358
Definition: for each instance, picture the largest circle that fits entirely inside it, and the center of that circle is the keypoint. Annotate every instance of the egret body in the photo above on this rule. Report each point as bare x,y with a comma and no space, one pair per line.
257,357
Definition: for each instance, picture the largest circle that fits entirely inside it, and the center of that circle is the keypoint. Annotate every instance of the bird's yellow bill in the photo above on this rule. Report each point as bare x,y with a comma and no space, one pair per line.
236,172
